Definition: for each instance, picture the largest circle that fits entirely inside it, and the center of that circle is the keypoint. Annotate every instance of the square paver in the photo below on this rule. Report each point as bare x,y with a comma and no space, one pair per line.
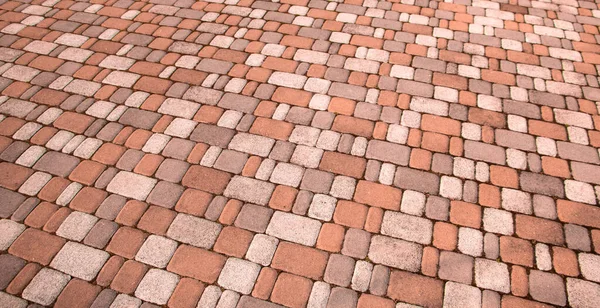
194,231
239,275
45,286
157,286
156,251
79,260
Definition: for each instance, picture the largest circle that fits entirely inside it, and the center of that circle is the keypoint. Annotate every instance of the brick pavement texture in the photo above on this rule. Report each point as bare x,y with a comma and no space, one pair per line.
299,153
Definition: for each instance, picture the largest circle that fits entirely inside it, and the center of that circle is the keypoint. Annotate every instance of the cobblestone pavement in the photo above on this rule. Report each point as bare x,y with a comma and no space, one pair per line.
301,153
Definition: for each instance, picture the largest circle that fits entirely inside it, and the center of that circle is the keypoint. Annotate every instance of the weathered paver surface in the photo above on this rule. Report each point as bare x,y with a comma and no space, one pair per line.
299,153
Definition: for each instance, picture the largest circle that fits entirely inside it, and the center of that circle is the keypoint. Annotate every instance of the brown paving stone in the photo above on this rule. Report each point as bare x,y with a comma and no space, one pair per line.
36,246
538,229
126,242
264,283
40,215
23,278
74,122
516,251
77,293
415,289
88,199
12,176
56,163
196,263
9,202
233,241
186,294
129,276
375,194
291,290
300,260
10,266
343,164
206,179
156,220
109,270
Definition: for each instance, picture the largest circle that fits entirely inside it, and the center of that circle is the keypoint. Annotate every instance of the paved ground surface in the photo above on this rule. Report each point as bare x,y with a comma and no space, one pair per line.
301,153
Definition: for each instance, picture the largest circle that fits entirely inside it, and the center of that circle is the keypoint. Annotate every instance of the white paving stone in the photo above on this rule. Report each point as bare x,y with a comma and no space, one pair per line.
9,230
194,231
45,287
239,275
458,295
156,251
157,286
79,260
179,108
131,185
126,301
407,227
516,201
492,275
497,221
262,248
322,207
252,144
76,226
287,174
589,266
294,228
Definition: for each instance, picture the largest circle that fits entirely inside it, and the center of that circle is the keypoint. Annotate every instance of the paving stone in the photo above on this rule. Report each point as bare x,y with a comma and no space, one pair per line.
131,185
157,286
470,241
395,253
156,251
339,270
287,174
12,301
79,260
492,275
415,289
582,293
194,231
10,266
587,263
36,246
124,300
249,190
497,221
10,230
517,201
45,286
294,228
262,249
456,267
407,227
179,108
460,295
56,163
76,226
425,182
239,275
547,287
9,202
252,144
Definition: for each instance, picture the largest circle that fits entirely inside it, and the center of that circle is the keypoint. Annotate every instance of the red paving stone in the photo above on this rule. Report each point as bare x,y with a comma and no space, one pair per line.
323,154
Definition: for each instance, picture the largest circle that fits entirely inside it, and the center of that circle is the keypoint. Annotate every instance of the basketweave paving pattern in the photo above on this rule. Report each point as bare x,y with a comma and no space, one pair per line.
300,153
